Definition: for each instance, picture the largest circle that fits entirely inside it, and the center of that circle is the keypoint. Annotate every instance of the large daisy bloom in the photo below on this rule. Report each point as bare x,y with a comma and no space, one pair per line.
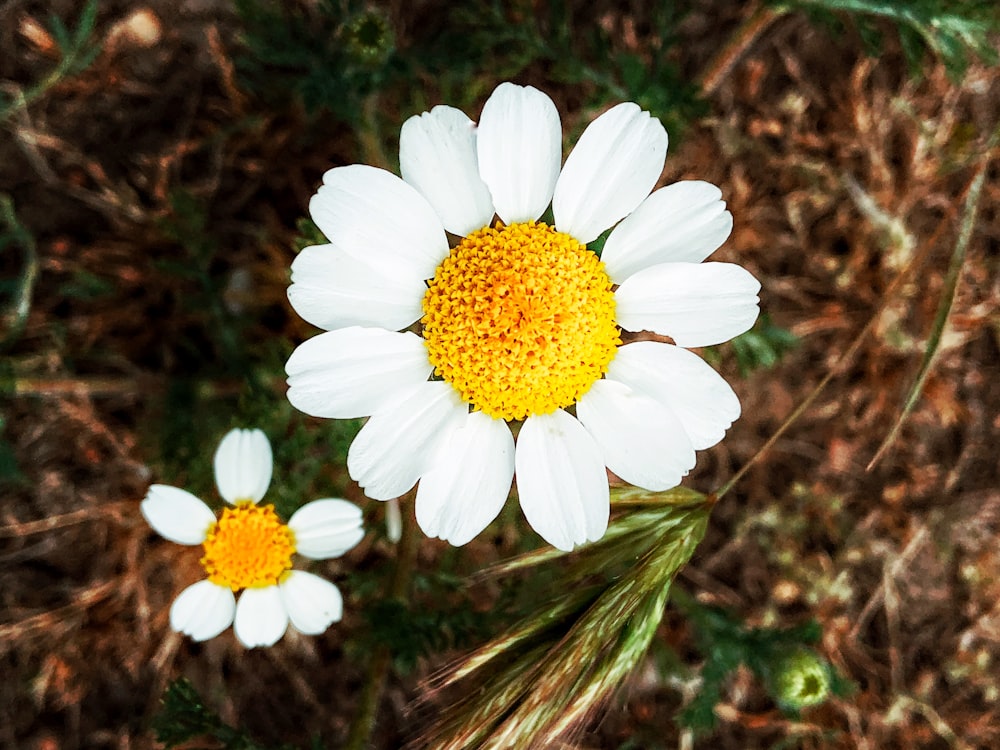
519,324
249,549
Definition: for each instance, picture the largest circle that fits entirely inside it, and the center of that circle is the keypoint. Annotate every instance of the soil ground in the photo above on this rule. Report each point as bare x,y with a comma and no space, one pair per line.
842,170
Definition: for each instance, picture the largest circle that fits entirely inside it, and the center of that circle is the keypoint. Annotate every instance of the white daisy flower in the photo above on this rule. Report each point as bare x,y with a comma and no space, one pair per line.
519,322
249,549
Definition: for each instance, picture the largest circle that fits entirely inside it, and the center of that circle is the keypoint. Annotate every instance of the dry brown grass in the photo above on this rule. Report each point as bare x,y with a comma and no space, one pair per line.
840,171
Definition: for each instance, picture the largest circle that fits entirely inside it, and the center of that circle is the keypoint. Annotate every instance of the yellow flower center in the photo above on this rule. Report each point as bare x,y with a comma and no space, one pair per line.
520,320
248,547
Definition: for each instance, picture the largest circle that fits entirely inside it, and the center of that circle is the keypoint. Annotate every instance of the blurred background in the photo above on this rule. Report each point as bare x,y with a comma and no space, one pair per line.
156,163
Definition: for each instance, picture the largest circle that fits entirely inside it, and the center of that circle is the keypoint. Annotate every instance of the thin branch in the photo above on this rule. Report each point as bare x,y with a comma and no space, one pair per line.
739,42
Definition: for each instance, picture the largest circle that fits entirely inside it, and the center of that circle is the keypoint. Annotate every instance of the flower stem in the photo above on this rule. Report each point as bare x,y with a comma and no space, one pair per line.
399,588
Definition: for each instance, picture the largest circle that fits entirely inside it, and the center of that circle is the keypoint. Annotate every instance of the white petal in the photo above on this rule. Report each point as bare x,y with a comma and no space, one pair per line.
520,149
176,514
683,222
696,304
326,528
394,447
641,441
437,155
243,464
683,382
333,289
261,618
372,214
203,610
614,165
351,372
469,481
312,603
561,481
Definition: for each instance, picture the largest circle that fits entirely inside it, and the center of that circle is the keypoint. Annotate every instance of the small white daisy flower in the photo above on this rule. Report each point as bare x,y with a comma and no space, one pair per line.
249,549
520,323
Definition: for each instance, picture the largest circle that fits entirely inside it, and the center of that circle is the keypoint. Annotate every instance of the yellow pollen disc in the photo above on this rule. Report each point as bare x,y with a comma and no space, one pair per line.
248,547
520,320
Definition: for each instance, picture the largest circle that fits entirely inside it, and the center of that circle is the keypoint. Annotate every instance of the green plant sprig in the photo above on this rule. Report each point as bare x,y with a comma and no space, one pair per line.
541,679
77,54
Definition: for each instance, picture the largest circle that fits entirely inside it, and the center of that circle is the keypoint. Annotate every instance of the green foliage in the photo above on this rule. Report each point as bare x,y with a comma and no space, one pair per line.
308,234
503,40
86,286
77,54
413,632
795,675
337,55
330,56
13,234
188,227
954,30
760,347
442,617
184,718
304,459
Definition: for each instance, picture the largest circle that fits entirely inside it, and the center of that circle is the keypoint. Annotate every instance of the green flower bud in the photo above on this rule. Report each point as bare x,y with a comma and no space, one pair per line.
801,679
369,38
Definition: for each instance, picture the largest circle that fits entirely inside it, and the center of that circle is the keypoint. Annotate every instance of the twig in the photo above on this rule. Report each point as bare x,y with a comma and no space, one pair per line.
60,521
930,714
727,57
139,387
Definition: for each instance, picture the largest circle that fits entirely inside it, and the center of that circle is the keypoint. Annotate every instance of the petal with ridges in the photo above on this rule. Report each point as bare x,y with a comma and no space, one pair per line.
469,481
683,222
243,464
312,603
371,214
683,382
176,514
696,304
351,372
394,447
326,528
261,618
641,441
613,166
561,481
520,149
437,155
203,610
333,289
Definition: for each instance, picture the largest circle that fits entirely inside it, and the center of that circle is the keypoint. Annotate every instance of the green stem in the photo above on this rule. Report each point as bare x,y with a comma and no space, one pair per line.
370,134
944,306
76,56
29,274
399,588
